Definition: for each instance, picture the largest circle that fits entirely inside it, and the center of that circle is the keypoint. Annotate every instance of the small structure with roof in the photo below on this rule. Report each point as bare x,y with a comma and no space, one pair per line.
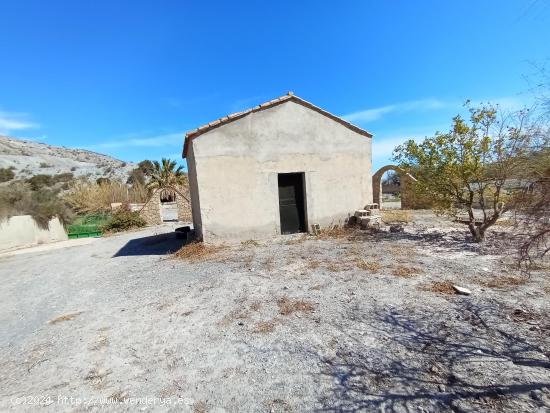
281,167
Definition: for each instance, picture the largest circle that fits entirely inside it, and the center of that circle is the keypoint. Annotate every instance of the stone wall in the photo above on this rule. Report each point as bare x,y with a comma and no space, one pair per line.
151,210
406,187
184,208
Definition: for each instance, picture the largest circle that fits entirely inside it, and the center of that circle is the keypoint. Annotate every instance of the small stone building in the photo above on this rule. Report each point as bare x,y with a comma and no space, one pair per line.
277,168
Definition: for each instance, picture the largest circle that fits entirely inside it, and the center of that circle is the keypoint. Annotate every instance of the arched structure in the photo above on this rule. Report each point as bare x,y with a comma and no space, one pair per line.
405,179
151,210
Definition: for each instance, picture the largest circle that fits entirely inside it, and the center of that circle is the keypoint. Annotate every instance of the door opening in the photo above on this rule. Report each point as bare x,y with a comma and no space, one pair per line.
292,206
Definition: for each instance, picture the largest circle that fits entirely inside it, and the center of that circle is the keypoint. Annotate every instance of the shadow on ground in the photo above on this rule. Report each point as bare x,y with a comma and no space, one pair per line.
161,244
428,363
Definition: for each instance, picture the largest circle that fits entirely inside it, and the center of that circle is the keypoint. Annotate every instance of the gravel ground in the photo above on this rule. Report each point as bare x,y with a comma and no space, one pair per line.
356,322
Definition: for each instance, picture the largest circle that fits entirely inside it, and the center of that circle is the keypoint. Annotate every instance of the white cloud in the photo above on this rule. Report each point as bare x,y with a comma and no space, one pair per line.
370,115
11,122
154,141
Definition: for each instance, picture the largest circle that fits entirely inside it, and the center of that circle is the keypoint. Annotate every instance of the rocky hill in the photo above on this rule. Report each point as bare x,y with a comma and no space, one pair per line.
27,158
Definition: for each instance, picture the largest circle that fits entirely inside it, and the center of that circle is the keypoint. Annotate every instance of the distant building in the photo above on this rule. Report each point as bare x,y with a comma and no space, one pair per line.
276,169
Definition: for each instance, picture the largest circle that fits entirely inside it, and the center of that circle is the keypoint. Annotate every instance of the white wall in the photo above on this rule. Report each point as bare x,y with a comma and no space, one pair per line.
22,231
233,171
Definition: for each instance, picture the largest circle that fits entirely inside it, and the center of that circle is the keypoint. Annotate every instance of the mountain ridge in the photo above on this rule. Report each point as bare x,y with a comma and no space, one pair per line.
27,158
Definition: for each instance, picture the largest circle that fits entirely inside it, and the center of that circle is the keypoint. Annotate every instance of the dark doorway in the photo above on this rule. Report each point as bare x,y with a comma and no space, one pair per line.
291,203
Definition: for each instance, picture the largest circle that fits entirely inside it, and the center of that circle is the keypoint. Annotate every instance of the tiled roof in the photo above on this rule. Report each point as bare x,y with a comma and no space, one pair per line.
288,97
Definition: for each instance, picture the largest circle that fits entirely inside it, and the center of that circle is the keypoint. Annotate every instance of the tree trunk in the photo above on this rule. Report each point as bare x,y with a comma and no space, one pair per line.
478,233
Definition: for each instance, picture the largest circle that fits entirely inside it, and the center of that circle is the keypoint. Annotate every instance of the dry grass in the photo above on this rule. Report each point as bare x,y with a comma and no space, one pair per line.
198,252
407,250
298,240
405,272
440,287
87,197
334,232
505,223
503,282
313,264
66,317
395,216
242,311
268,263
288,306
334,266
366,265
200,407
250,243
264,327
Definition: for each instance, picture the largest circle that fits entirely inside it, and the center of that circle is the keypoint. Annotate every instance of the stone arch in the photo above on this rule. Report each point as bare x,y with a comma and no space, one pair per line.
151,210
406,180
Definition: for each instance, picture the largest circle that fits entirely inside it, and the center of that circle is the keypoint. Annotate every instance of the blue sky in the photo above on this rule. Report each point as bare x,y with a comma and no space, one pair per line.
128,78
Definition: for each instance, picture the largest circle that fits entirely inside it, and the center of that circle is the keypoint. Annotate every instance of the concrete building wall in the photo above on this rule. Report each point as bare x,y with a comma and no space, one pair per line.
22,231
233,171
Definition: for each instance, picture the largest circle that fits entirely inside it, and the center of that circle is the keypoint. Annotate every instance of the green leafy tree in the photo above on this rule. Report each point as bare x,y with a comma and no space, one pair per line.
146,166
472,168
165,174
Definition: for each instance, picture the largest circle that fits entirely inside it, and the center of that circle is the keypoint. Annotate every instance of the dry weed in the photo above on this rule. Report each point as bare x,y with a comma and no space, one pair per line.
241,311
395,216
97,376
505,223
298,240
199,252
250,243
503,282
401,250
269,263
366,265
66,317
313,264
333,232
288,306
335,266
264,327
405,272
440,287
200,407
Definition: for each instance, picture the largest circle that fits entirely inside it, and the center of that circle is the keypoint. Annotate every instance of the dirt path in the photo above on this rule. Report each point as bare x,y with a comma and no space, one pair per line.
362,322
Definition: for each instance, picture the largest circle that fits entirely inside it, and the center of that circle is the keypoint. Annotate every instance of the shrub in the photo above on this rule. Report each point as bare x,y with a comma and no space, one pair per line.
103,181
39,181
136,176
19,199
6,174
122,220
64,177
44,165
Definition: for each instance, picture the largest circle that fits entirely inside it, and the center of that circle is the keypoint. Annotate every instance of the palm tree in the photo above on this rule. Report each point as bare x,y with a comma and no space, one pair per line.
165,175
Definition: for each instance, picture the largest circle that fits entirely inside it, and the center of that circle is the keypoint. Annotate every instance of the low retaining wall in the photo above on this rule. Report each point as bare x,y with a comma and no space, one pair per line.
22,231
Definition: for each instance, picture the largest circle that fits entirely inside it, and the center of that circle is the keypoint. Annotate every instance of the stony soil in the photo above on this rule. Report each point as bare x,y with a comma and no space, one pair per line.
348,322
